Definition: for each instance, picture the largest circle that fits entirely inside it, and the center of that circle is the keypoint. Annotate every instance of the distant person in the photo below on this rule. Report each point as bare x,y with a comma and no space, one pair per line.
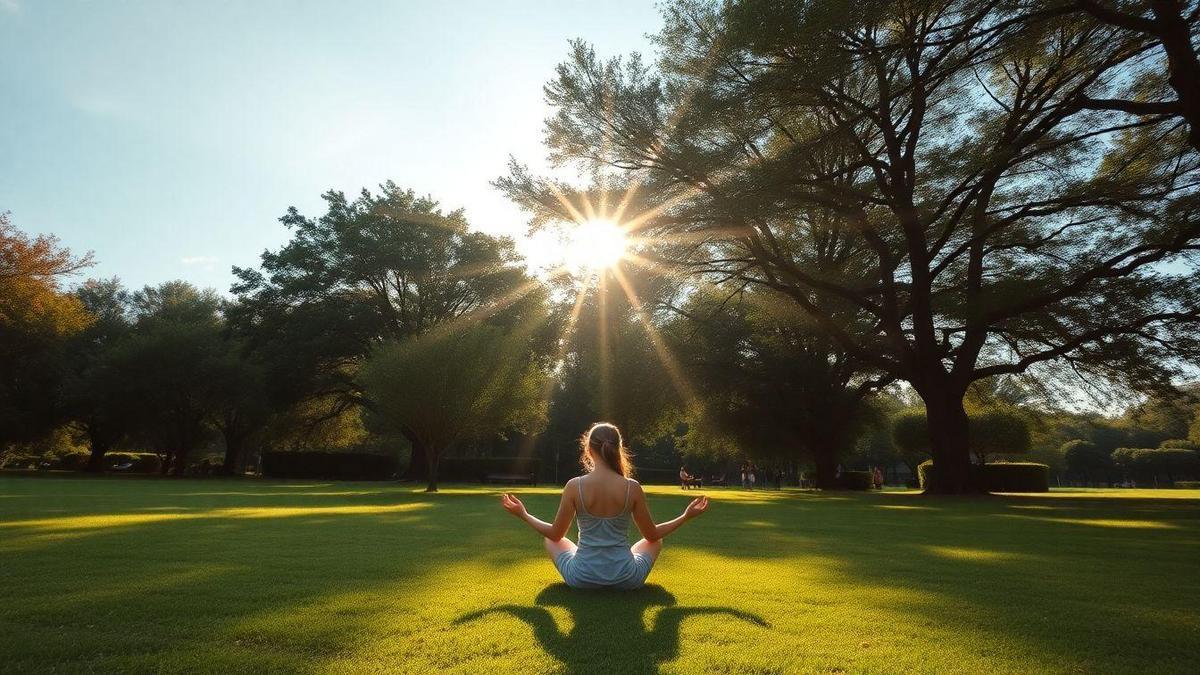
745,475
878,479
751,471
687,480
778,479
603,557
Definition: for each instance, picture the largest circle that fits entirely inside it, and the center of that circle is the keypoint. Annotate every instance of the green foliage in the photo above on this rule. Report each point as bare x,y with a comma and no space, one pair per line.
1016,477
856,480
380,267
1187,484
1182,443
328,465
767,384
998,431
947,261
459,385
910,432
1151,463
1087,460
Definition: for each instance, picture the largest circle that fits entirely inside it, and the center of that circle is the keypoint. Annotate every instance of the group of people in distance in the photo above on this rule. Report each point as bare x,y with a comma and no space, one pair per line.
750,477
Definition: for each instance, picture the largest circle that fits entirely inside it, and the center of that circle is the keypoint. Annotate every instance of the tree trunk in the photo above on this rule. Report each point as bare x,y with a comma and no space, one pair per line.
418,463
431,459
98,449
234,444
948,429
826,464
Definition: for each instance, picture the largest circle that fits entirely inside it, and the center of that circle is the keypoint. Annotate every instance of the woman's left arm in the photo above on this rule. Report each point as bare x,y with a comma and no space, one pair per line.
552,531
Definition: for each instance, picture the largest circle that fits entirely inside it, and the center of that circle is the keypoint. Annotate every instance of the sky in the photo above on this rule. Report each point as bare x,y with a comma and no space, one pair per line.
168,136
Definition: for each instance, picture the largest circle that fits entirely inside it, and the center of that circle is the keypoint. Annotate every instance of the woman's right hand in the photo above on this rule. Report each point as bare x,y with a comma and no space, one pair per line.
512,505
697,508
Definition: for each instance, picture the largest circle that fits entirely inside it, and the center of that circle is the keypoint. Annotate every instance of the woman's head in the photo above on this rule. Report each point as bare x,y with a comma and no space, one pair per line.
602,444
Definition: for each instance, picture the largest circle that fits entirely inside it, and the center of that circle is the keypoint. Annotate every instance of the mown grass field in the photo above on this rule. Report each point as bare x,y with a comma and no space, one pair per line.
129,575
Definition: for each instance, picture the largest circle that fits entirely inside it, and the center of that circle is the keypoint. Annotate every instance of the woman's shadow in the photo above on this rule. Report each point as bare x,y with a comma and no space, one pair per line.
610,630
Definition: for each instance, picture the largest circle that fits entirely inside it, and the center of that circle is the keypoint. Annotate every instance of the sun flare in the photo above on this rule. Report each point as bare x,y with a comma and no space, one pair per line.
595,245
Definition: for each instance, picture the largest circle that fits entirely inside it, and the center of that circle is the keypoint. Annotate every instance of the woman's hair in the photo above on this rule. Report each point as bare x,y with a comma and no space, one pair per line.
605,442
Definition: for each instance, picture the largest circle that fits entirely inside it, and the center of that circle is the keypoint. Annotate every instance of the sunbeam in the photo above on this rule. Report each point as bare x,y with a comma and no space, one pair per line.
674,370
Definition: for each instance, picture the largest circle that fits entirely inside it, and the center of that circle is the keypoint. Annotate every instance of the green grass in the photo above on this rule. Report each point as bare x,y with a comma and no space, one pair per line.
129,575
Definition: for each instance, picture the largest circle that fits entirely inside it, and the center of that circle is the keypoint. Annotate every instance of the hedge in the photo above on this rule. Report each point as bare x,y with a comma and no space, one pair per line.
328,465
1016,477
1188,484
139,462
856,480
1001,476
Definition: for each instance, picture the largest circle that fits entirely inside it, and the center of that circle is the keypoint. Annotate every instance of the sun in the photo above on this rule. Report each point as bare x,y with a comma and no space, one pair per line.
595,245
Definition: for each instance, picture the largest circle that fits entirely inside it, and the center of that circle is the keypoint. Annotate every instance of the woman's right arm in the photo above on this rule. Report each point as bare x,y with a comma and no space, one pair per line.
562,520
645,522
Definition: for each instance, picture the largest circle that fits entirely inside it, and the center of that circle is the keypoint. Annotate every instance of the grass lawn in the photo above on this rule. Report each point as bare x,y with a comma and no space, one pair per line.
128,575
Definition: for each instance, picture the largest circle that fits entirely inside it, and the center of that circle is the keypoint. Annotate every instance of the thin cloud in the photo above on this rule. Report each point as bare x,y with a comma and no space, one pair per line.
10,6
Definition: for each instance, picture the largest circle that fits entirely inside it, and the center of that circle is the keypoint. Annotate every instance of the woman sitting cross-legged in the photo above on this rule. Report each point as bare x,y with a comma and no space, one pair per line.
603,500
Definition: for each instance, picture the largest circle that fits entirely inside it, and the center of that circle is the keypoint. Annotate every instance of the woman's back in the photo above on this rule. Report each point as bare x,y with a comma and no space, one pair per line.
596,527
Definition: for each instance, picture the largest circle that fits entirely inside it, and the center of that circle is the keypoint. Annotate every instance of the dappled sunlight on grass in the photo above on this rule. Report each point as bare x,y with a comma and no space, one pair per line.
904,507
69,523
971,554
1118,523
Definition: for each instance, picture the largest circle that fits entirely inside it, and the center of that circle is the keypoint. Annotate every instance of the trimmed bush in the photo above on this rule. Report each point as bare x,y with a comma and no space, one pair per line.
924,473
1016,477
328,465
135,462
856,480
1188,484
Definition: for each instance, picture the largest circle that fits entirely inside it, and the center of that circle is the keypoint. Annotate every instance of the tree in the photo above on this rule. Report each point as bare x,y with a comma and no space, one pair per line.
36,318
167,368
767,385
910,434
1087,460
241,407
90,389
1169,25
382,267
940,135
998,431
461,385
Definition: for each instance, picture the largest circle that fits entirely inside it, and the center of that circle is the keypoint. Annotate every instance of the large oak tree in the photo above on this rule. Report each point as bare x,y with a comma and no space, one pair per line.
1006,221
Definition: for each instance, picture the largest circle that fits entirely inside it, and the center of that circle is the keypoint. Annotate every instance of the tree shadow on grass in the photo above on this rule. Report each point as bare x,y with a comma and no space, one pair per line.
609,631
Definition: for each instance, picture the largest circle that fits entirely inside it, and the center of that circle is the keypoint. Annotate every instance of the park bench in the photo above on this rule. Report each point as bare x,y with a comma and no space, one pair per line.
510,478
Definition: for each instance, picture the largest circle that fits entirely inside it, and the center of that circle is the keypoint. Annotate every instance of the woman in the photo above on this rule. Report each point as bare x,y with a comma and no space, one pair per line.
603,558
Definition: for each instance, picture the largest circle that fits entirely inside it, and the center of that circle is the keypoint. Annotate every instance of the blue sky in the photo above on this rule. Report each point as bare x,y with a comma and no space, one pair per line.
168,137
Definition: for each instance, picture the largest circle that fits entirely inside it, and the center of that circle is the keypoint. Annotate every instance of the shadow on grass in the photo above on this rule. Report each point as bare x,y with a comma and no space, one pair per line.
608,626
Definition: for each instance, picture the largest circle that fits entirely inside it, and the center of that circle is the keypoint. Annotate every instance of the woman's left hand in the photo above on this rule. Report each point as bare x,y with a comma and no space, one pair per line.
697,508
512,505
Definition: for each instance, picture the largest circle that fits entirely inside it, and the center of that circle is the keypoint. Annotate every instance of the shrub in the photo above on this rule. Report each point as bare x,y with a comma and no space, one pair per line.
138,462
1188,484
476,469
924,473
1016,477
328,465
1178,443
855,480
73,461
